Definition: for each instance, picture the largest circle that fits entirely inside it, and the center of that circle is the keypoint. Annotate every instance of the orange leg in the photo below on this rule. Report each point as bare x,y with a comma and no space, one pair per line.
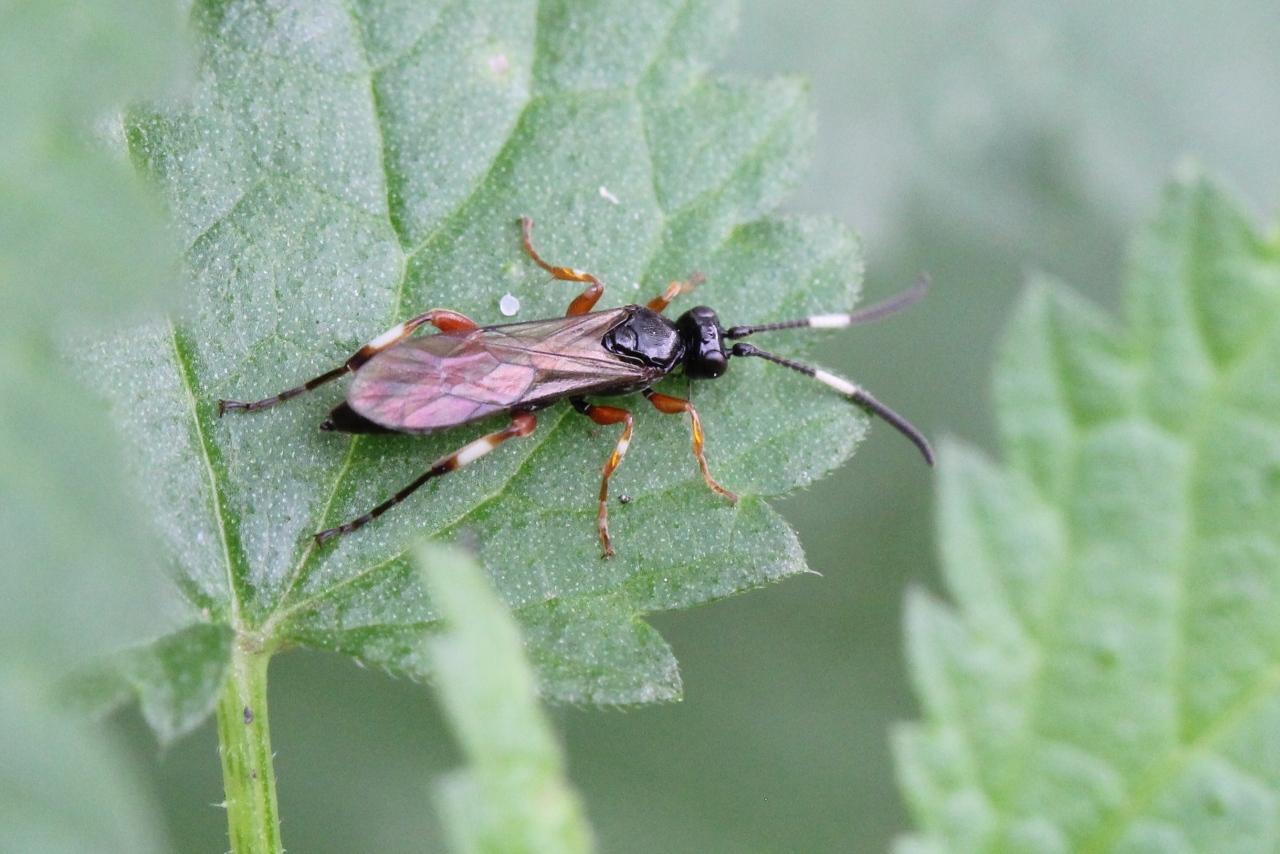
660,303
584,301
605,415
441,318
668,405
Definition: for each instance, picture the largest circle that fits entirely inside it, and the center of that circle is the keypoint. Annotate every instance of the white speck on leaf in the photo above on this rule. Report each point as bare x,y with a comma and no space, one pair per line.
604,193
509,305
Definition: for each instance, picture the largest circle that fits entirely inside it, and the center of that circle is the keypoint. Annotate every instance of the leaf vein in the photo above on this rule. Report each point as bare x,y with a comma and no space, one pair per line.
317,596
184,375
1148,789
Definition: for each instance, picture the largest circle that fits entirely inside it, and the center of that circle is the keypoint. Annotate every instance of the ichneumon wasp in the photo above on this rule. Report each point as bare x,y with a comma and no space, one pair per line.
466,372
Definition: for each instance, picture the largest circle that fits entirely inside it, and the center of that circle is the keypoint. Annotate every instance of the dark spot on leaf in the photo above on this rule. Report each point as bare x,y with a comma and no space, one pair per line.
248,715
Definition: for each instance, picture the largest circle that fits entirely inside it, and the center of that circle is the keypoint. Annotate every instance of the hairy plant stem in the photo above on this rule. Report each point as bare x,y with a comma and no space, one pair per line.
244,740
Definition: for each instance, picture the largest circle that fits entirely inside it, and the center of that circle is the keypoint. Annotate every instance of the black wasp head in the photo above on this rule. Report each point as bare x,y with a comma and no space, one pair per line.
705,357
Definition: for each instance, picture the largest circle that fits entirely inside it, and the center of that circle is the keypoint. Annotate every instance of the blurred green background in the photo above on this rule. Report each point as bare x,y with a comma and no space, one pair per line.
976,140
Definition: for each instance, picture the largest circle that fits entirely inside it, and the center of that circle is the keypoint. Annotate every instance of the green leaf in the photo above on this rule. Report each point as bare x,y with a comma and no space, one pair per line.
339,167
177,677
65,786
78,232
80,240
1107,681
513,795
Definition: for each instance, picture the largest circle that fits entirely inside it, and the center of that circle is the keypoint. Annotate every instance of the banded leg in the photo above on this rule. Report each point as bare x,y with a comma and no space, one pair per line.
586,300
668,405
522,424
675,289
440,318
605,415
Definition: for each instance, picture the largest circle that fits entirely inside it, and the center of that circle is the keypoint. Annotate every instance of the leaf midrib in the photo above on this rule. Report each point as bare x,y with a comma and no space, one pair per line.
1145,790
1151,785
216,495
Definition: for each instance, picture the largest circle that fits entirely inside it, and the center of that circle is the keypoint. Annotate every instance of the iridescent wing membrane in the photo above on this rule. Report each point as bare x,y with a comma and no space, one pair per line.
438,381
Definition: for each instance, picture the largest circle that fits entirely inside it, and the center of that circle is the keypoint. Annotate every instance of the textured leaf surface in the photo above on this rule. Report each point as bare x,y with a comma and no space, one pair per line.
512,795
1108,679
341,166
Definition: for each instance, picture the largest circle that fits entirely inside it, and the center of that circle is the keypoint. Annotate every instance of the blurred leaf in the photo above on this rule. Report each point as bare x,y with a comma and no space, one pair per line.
340,167
63,786
1107,683
79,239
513,795
178,678
78,233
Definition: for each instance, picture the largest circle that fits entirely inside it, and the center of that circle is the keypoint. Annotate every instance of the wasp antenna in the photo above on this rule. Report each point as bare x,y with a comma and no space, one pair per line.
839,321
892,305
857,395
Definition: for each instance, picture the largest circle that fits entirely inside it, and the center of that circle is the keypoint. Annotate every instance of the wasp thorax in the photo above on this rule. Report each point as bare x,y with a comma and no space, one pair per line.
646,338
705,356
